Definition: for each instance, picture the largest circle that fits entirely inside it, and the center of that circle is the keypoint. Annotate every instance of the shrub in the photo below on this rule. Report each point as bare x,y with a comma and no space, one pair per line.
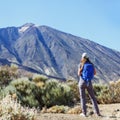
13,67
62,109
8,90
39,78
98,89
75,110
105,94
108,94
10,109
57,109
55,93
114,91
26,91
6,75
51,93
74,89
101,92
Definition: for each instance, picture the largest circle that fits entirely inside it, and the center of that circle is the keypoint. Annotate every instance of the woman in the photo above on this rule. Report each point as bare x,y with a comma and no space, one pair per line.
86,71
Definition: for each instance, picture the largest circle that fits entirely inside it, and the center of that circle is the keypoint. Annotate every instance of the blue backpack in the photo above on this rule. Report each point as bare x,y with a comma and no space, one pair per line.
88,71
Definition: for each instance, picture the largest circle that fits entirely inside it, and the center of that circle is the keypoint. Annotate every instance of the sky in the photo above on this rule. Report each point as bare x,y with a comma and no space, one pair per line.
96,20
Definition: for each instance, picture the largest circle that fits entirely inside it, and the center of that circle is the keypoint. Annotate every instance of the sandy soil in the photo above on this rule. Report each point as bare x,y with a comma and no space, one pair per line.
108,112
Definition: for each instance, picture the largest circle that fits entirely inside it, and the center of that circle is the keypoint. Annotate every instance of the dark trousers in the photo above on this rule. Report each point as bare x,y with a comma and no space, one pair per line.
87,86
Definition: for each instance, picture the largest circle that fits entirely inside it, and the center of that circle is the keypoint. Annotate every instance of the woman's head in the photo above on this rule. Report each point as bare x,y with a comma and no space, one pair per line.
84,58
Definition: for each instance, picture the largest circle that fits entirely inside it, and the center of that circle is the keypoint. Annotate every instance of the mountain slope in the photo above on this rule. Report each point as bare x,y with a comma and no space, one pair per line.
55,53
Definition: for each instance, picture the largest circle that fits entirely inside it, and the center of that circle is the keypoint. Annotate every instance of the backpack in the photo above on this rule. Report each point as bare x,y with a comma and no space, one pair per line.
88,71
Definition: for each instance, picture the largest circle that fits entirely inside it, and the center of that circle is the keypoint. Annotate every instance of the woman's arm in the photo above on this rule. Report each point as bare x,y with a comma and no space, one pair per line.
94,71
80,70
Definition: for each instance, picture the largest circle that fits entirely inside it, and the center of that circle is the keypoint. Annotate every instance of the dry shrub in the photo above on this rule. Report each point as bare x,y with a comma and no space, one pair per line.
75,110
114,91
56,109
6,75
14,67
105,94
39,78
110,94
11,109
62,109
40,84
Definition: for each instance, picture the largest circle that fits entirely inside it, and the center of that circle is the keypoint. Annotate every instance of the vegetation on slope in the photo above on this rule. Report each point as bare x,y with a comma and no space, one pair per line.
44,93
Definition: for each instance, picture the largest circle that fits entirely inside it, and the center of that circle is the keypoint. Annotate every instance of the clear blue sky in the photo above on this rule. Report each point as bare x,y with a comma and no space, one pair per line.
97,20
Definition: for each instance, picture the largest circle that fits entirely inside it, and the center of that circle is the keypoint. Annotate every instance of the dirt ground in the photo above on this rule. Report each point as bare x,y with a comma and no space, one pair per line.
108,112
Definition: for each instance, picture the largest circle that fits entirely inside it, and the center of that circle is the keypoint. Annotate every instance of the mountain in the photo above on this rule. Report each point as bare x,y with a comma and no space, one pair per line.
48,51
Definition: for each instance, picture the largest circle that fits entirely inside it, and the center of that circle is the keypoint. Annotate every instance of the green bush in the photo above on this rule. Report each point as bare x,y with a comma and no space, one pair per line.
98,89
52,93
74,89
55,93
101,92
26,91
9,90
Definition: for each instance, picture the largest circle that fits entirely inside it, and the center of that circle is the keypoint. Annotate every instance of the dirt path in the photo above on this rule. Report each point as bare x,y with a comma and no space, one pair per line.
109,112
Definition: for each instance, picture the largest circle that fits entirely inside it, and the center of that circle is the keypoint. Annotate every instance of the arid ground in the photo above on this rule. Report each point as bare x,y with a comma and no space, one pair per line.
108,112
